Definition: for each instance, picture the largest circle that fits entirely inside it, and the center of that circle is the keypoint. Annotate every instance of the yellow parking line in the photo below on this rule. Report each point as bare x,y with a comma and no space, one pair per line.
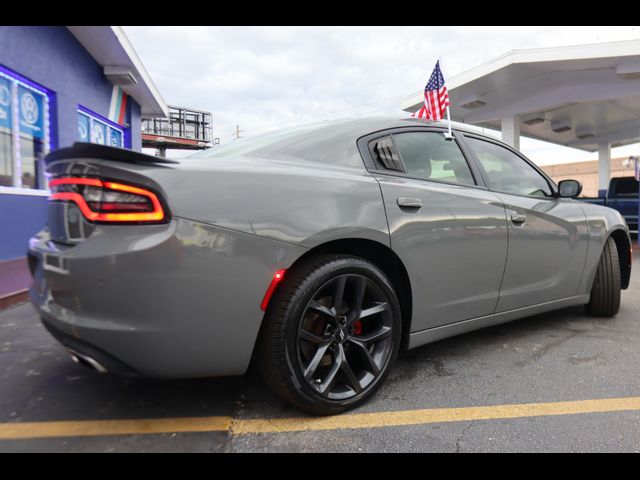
435,415
91,428
12,431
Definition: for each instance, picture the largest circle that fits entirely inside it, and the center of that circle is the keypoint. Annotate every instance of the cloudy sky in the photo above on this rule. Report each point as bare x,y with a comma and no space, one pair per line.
263,78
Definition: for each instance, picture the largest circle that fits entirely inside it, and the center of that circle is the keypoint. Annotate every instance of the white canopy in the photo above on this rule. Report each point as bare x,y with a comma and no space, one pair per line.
585,96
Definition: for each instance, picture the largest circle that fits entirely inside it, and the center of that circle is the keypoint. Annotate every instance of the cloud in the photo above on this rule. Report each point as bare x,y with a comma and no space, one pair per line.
269,77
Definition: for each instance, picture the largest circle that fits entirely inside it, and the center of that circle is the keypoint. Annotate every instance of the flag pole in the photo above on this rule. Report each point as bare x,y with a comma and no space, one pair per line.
449,136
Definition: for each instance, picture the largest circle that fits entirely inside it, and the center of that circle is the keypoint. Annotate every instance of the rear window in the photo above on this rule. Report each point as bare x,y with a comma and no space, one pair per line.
245,146
319,142
625,187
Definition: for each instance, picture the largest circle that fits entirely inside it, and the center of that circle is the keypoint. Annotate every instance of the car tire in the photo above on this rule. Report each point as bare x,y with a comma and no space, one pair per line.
308,336
605,293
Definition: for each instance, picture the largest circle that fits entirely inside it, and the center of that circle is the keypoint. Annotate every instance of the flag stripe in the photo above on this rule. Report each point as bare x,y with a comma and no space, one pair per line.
436,97
123,109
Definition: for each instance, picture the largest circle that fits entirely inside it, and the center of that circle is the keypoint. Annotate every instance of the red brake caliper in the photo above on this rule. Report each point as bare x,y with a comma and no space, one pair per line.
357,327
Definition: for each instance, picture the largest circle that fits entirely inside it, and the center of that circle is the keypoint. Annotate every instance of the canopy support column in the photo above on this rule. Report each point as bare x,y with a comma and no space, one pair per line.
511,131
604,168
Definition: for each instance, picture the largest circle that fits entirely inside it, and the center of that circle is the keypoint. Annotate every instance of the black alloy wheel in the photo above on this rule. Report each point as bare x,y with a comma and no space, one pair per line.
344,338
331,334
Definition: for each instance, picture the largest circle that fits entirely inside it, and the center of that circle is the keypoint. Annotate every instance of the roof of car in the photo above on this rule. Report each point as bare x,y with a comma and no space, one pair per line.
331,141
373,123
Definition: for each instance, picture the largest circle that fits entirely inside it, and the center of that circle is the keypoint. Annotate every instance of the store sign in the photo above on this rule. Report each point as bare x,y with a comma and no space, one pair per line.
5,103
98,133
31,112
115,138
83,128
93,128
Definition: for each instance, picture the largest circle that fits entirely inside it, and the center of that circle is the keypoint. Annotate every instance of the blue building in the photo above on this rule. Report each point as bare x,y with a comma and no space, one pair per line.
59,85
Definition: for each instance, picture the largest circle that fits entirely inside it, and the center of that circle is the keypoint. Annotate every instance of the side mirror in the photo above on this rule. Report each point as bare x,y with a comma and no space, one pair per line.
569,188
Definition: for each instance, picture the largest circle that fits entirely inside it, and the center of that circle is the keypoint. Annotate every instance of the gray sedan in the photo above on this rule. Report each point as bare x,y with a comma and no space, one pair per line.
317,252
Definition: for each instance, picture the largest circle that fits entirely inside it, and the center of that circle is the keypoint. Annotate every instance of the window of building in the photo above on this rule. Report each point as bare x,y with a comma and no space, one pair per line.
25,130
94,128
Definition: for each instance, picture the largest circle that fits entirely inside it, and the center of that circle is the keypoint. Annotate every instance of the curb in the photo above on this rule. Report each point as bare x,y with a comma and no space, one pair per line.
13,298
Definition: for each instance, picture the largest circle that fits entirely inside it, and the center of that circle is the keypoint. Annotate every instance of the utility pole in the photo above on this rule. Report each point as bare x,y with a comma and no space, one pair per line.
237,132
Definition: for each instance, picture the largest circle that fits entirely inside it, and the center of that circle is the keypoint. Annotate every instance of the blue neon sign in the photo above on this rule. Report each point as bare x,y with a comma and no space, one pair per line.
5,103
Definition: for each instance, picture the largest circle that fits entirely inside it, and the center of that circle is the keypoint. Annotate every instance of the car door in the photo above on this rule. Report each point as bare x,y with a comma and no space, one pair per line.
547,235
447,228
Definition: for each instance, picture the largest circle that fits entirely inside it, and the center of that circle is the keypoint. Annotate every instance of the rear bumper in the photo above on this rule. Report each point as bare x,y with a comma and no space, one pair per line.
78,347
174,301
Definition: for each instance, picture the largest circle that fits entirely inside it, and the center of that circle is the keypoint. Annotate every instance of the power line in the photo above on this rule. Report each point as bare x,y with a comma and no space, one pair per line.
301,122
236,134
304,120
330,112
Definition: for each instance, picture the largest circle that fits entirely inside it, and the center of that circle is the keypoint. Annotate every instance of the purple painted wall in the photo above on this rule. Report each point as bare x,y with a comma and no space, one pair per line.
52,57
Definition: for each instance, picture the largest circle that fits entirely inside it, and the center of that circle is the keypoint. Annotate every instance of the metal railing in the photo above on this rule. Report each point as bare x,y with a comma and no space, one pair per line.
183,123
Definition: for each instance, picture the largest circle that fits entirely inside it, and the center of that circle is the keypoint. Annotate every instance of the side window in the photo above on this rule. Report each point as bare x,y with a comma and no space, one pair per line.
508,172
430,156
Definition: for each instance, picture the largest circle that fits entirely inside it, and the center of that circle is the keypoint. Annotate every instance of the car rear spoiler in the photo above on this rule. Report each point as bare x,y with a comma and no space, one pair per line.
92,150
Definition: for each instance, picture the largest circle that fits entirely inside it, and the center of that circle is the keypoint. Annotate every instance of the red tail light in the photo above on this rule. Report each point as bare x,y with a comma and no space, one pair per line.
106,201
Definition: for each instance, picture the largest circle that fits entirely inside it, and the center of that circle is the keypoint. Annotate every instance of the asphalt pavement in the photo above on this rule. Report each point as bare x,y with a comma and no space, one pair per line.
433,400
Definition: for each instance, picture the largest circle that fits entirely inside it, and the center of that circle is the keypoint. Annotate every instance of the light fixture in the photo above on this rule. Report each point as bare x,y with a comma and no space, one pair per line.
533,118
630,75
560,126
473,101
120,75
585,131
628,70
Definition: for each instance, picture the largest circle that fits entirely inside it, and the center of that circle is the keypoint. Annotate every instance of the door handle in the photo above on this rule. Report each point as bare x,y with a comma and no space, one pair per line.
518,219
404,202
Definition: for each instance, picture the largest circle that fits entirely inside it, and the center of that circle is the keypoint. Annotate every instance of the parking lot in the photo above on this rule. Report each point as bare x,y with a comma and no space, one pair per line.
561,381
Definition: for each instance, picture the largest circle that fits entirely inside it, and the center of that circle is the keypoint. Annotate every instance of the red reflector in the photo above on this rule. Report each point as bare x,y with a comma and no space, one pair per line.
279,275
146,206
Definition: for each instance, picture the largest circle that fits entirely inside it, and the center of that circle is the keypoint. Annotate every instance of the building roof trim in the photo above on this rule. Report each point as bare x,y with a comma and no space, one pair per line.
110,46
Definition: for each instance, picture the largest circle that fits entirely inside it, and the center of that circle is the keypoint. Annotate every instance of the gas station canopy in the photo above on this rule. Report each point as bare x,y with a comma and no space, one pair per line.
584,96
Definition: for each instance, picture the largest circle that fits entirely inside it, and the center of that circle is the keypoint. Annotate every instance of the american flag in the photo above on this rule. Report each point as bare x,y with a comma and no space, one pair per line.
436,98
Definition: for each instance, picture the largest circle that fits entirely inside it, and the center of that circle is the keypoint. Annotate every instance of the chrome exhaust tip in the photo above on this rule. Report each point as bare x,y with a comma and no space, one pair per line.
82,359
